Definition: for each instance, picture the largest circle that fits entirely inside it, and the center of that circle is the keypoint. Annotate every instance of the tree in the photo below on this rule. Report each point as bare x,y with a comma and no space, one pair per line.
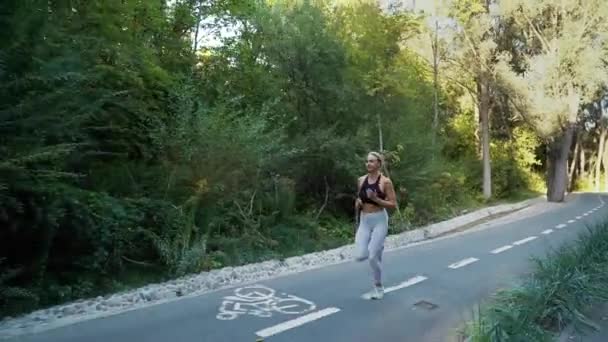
475,56
433,49
562,69
373,42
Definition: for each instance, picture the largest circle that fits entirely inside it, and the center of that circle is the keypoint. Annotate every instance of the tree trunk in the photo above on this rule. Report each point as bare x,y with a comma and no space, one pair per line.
435,83
557,168
198,25
577,148
600,153
380,138
581,168
604,162
484,118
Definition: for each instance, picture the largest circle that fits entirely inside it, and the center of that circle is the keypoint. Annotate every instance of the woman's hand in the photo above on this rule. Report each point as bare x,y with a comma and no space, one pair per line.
358,204
390,202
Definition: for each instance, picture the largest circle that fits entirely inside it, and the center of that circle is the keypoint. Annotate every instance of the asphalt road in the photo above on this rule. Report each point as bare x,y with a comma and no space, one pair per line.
451,275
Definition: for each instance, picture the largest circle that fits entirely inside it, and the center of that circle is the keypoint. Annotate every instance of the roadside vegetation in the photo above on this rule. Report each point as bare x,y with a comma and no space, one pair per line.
558,293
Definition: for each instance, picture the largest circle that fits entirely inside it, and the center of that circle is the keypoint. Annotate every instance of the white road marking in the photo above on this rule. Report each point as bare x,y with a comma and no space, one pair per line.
463,263
281,327
586,214
501,249
261,301
571,221
410,282
547,231
579,217
561,226
526,240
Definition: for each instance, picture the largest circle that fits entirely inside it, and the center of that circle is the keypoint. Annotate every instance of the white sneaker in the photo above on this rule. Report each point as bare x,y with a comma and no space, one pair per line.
376,293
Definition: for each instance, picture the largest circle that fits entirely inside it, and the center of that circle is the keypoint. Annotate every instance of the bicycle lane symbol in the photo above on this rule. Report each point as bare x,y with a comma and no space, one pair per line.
261,301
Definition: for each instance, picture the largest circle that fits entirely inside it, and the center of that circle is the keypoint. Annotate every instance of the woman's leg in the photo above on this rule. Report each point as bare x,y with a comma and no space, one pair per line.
362,240
376,248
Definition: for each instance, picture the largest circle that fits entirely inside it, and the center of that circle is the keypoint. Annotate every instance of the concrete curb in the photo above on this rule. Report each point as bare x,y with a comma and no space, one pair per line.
455,223
227,277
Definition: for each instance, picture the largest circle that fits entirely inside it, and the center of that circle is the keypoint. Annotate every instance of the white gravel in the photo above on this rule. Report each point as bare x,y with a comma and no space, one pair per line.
198,284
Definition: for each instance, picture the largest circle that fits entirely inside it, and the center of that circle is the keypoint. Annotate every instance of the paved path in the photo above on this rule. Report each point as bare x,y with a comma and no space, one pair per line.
432,288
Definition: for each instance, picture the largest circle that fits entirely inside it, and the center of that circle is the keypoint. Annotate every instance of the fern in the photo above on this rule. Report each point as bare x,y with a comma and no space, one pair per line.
179,254
48,153
181,247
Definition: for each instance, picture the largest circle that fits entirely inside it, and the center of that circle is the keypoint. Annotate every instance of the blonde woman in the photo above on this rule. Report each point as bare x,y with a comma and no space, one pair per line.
375,194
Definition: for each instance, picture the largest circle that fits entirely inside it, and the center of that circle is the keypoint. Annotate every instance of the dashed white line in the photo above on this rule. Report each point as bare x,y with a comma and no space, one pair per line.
586,214
279,328
501,249
463,263
561,226
547,231
526,240
571,221
579,217
413,281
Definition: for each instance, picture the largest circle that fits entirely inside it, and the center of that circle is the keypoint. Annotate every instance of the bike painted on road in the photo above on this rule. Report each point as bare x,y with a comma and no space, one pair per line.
261,301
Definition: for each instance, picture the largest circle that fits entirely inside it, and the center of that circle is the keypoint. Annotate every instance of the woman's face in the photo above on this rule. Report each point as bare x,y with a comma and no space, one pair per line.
372,163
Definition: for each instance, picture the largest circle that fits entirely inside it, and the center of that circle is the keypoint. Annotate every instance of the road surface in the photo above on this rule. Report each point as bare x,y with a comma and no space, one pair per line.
433,287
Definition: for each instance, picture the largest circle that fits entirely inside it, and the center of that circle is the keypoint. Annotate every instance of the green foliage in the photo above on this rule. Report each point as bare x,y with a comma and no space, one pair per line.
515,163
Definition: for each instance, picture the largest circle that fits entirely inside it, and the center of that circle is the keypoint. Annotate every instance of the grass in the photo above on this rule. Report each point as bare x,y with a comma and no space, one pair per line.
561,288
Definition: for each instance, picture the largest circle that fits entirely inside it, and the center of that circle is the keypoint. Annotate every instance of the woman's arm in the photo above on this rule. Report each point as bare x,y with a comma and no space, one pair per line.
358,202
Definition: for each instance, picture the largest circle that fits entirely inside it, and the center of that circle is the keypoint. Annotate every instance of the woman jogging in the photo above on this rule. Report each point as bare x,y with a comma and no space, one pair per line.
375,195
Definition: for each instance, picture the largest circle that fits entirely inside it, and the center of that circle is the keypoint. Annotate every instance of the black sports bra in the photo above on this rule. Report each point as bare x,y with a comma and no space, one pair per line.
374,187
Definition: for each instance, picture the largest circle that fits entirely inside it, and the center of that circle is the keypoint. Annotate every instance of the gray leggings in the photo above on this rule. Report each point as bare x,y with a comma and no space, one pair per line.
369,241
